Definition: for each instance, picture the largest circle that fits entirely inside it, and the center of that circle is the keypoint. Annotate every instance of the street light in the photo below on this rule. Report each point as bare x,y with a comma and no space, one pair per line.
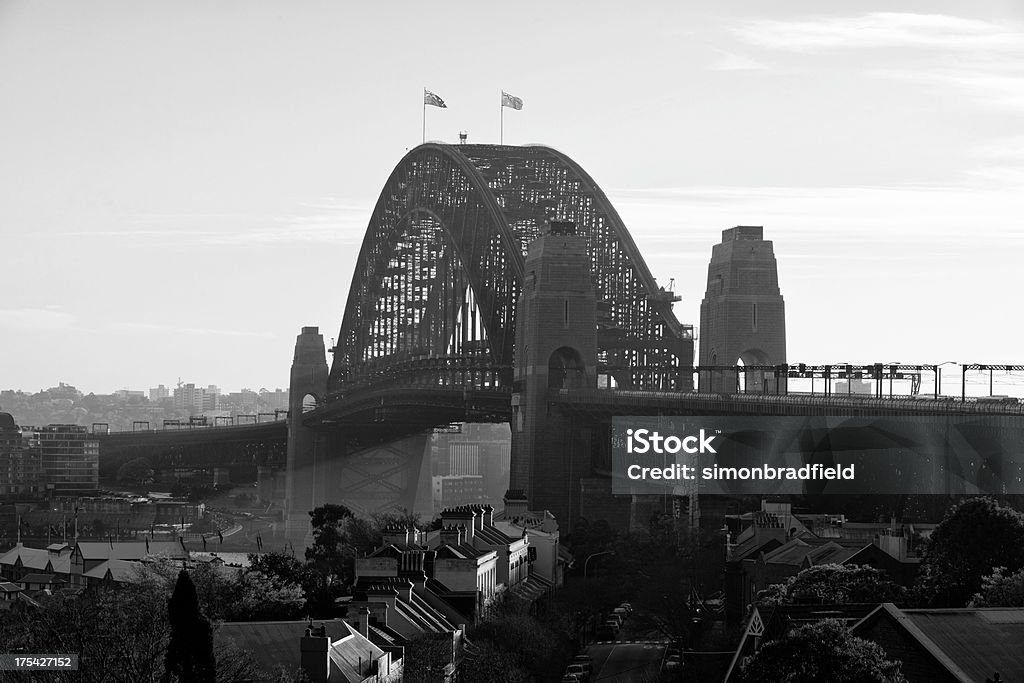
592,556
893,366
937,368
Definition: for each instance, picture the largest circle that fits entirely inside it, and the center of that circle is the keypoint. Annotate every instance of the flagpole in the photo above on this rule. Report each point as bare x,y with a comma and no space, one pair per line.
501,110
424,115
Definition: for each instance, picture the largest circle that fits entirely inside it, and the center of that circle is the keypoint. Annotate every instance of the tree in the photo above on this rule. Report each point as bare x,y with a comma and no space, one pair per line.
425,655
318,588
258,597
490,663
1000,590
339,537
834,584
824,651
973,539
137,471
328,515
531,645
120,633
190,652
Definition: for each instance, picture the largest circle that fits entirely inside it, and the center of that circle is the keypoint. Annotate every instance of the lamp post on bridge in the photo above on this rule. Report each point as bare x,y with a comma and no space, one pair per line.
893,366
937,370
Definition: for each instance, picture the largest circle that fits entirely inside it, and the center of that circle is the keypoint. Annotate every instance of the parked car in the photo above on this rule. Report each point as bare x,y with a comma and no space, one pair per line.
621,612
605,632
627,606
617,618
586,661
579,671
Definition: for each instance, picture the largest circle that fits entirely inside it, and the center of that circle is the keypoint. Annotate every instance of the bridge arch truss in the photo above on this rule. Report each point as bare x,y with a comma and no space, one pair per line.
440,268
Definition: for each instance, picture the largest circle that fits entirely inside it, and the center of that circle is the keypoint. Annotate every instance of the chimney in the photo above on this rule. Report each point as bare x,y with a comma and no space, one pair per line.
364,622
395,533
487,516
516,504
478,519
460,515
382,593
451,535
419,581
404,589
315,659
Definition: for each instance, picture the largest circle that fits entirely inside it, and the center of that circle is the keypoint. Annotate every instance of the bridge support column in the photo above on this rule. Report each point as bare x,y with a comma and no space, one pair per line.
307,448
556,350
742,316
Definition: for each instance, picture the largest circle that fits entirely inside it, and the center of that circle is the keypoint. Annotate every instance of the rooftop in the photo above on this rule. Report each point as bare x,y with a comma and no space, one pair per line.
972,643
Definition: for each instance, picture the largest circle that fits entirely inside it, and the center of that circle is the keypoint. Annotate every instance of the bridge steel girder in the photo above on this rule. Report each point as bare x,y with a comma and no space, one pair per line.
383,477
441,266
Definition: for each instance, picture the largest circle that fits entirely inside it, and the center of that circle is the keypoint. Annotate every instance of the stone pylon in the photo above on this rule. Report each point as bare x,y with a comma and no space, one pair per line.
307,457
556,348
743,316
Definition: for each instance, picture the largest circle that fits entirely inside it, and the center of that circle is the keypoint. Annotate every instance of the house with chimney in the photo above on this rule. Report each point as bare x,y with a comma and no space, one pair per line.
331,651
773,544
53,560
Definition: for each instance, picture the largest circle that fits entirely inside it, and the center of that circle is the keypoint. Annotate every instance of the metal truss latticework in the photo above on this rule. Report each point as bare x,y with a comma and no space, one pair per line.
439,272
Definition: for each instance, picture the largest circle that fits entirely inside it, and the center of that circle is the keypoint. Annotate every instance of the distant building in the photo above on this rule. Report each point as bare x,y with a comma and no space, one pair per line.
196,399
452,490
244,401
857,387
70,458
21,462
159,393
126,394
463,458
273,400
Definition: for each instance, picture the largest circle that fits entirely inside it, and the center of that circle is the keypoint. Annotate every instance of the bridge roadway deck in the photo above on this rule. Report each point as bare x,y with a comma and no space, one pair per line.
277,429
609,402
428,406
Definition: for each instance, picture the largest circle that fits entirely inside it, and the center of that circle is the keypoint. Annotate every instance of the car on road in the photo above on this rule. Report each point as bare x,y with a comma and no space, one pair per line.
579,671
586,661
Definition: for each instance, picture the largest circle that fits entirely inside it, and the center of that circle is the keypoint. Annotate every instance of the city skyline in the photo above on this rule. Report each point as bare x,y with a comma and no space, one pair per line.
188,188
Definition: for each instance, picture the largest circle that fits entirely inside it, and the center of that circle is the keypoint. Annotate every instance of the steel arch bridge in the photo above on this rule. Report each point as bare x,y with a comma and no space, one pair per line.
441,265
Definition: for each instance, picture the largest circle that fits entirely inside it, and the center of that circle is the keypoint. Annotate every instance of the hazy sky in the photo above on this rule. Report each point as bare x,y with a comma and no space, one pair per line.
184,185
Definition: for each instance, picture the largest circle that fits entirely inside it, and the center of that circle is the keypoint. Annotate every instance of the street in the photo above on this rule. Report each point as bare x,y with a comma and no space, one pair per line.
626,662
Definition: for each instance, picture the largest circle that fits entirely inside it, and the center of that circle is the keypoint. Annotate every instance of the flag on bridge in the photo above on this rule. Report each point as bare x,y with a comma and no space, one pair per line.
220,536
433,100
511,101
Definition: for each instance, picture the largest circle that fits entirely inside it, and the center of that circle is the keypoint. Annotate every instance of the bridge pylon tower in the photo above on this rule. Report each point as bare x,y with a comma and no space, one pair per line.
307,450
555,349
742,316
